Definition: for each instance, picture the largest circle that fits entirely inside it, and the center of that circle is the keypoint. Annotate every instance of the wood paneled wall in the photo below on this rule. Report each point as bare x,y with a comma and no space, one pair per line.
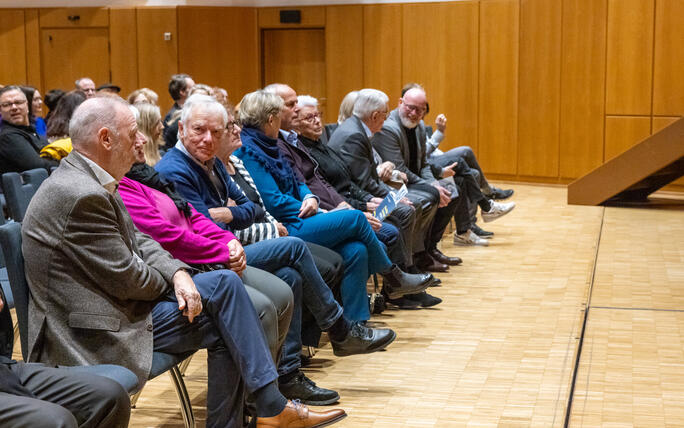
542,90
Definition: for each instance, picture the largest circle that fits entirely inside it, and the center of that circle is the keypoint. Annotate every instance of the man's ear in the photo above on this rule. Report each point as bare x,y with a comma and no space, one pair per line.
181,129
104,138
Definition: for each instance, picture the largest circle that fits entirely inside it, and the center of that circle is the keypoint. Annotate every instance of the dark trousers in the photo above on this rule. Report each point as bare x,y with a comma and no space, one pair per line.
404,218
290,259
64,398
467,154
238,356
389,235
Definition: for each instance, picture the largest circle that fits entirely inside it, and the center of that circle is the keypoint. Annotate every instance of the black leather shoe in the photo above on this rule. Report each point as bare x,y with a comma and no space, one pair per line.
404,303
500,194
443,258
305,390
427,263
363,340
436,283
424,299
397,282
477,230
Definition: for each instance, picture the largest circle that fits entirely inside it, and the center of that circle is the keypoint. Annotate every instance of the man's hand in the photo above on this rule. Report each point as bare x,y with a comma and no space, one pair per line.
231,203
282,230
238,260
402,176
374,222
444,195
309,207
449,170
406,201
385,170
222,214
440,121
344,205
189,299
2,304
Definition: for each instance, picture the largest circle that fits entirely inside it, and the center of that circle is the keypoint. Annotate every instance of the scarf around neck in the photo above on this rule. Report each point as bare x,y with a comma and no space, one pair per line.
265,151
145,174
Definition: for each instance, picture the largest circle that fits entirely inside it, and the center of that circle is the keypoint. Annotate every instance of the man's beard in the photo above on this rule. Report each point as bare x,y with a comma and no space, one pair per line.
408,123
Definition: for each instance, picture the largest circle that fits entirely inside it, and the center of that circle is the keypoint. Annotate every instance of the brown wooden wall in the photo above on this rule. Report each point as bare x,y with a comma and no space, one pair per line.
542,90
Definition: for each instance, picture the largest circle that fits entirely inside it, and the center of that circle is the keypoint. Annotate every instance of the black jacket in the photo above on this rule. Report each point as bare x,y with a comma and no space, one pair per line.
20,149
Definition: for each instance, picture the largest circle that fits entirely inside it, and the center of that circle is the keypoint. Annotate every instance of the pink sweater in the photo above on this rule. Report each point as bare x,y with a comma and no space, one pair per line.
194,240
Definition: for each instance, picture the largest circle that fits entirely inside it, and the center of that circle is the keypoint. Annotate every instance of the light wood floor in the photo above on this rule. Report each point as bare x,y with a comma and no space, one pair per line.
502,348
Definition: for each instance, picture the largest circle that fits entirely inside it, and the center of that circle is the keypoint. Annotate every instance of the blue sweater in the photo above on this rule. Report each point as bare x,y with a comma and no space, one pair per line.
193,183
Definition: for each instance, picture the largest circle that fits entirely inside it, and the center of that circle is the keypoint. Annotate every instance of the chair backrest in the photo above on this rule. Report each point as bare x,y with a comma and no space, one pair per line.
20,188
10,240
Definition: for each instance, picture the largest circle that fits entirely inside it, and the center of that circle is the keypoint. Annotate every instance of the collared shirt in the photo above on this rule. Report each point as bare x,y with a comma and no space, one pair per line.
369,134
208,167
289,136
103,177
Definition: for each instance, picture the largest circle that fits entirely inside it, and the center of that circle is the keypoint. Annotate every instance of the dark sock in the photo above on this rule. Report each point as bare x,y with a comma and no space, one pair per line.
269,401
484,204
285,378
339,330
461,232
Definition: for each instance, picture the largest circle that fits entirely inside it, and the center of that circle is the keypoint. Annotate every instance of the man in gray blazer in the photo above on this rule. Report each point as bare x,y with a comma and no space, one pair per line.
104,292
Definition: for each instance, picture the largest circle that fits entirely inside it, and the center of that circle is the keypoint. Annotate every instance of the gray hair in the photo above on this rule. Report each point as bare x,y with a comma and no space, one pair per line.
256,107
274,87
92,115
135,111
205,102
306,101
369,101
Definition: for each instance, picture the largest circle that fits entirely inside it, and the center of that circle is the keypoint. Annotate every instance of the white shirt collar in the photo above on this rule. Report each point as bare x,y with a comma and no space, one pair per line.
369,134
103,177
207,166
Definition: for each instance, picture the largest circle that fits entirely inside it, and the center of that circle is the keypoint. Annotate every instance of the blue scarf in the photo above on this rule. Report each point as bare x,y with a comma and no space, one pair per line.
265,151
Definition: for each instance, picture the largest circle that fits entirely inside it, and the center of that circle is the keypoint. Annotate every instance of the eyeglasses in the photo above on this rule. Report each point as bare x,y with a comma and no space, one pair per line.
417,109
9,104
311,118
232,124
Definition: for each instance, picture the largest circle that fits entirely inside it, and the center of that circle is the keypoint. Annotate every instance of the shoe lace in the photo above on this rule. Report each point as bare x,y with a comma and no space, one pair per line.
301,409
305,379
360,330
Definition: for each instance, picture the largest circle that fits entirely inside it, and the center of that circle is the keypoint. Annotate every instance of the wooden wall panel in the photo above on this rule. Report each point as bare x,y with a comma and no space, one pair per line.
439,51
123,36
157,58
61,17
659,123
312,16
343,55
623,132
12,47
668,84
539,102
32,32
382,49
498,82
583,67
629,57
219,46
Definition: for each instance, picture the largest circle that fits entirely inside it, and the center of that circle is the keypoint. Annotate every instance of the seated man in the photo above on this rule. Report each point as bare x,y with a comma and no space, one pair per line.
309,128
402,141
33,395
288,258
20,145
104,292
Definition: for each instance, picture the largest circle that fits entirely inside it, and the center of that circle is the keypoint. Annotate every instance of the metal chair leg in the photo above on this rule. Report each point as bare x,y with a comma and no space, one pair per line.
183,366
183,397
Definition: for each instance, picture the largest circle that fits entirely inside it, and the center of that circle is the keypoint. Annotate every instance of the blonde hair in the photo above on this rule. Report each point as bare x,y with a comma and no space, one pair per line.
147,120
201,89
256,107
151,96
347,106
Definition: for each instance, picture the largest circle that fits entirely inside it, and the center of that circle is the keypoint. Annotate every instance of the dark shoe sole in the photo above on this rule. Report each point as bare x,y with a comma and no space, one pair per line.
379,347
398,293
317,403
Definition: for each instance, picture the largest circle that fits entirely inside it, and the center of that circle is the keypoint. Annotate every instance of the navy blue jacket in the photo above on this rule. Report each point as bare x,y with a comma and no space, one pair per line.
193,183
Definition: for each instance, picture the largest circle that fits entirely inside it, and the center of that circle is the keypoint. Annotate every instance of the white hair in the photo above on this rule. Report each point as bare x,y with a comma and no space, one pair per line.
135,111
369,101
306,101
205,102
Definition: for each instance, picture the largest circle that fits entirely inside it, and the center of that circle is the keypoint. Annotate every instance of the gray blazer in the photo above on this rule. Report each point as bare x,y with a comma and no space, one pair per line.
93,276
354,146
392,144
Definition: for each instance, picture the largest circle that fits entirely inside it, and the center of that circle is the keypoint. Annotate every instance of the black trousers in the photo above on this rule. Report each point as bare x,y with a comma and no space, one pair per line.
64,398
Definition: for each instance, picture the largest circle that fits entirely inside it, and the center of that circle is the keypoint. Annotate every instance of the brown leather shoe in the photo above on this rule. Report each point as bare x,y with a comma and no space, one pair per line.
443,258
297,415
427,263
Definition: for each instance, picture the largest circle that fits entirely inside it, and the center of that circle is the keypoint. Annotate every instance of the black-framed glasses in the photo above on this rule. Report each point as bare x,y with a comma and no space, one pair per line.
9,104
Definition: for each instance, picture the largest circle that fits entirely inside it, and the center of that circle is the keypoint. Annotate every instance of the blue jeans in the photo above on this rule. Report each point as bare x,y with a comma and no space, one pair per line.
238,356
389,235
348,233
289,259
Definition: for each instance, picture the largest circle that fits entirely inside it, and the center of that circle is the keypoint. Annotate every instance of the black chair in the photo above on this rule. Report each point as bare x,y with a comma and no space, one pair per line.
10,241
20,188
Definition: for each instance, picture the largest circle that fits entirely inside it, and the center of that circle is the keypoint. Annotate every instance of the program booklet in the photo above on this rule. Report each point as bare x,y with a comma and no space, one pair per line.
390,203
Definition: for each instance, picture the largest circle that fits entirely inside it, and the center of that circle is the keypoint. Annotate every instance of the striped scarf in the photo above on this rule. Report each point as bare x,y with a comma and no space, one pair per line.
257,231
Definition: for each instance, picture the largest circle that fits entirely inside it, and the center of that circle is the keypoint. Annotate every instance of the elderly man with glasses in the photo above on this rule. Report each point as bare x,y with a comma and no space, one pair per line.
20,144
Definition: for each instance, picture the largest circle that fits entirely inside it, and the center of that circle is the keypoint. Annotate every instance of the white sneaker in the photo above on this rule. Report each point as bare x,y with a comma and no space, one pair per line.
498,209
469,238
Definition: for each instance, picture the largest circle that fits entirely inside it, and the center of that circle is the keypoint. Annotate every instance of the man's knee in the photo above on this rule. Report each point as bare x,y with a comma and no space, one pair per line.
37,413
114,400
